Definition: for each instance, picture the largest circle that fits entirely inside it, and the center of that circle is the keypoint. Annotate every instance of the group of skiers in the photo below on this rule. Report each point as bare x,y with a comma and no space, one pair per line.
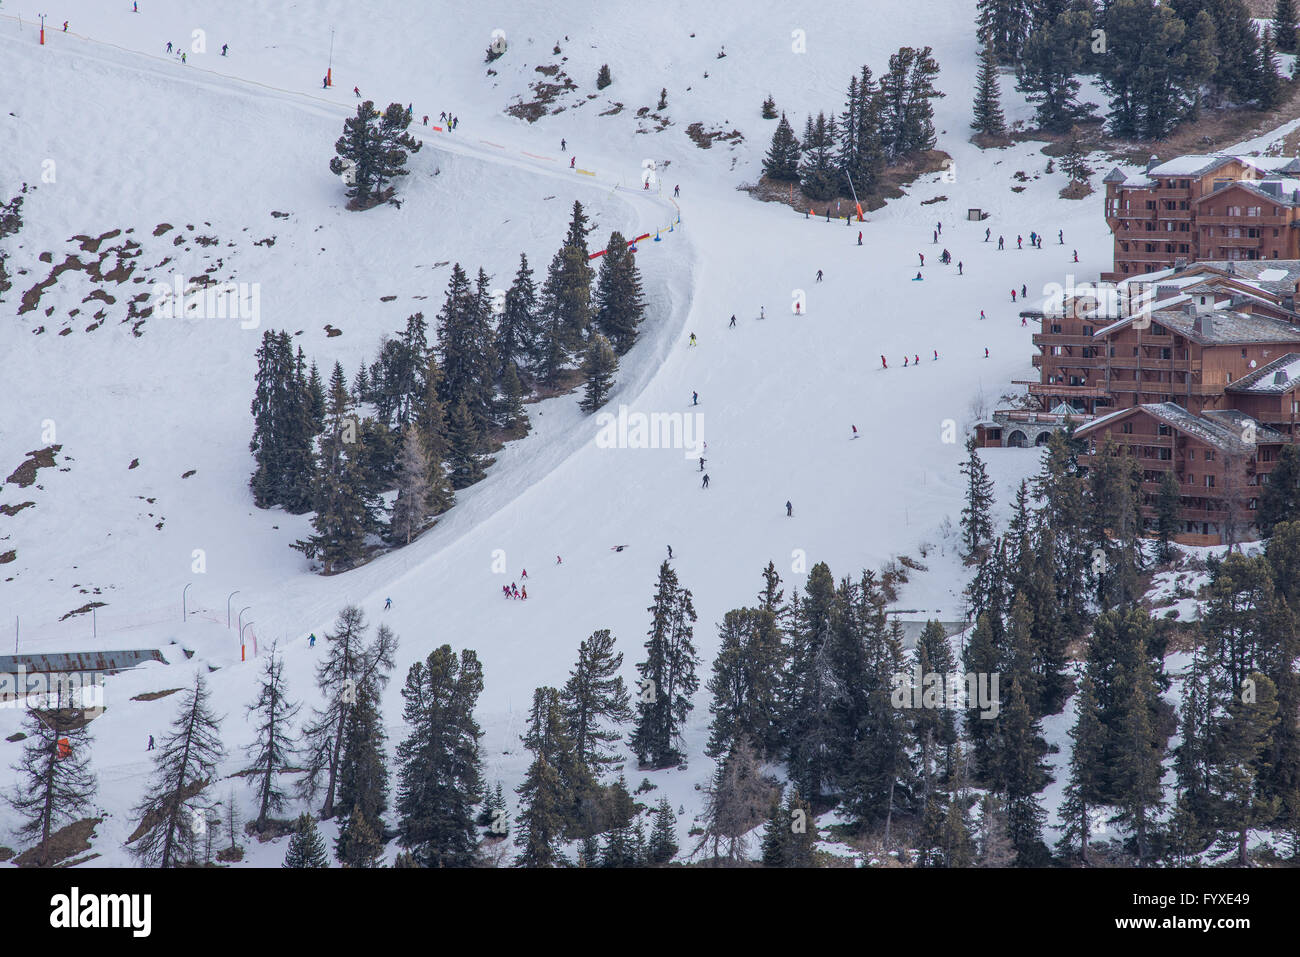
514,591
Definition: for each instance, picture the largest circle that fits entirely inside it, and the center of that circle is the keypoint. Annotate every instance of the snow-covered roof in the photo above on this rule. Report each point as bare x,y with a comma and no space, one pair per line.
1264,380
1224,328
1199,164
1277,276
1223,429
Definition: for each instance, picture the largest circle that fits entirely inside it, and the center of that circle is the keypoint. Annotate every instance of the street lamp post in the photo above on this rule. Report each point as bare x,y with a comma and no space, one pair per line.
184,607
241,621
241,639
228,597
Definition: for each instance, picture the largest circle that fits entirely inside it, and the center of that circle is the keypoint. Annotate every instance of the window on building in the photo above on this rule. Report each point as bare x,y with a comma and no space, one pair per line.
1209,481
1166,353
1191,455
1165,429
1087,330
1126,428
1209,455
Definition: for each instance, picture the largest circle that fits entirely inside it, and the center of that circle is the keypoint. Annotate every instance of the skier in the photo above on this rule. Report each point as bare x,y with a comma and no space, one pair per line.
443,117
922,255
325,82
701,463
706,481
182,57
695,398
883,363
936,355
916,359
677,191
1033,238
1000,246
224,47
311,640
938,228
573,160
524,576
959,269
762,312
808,214
670,551
819,275
828,213
150,748
558,560
1060,236
388,603
426,119
1024,292
1024,321
855,431
505,591
357,91
796,309
917,277
1013,295
1019,243
733,321
135,7
859,237
934,238
986,352
693,338
981,315
904,361
563,145
988,230
1076,255
65,26
789,510
523,593
169,46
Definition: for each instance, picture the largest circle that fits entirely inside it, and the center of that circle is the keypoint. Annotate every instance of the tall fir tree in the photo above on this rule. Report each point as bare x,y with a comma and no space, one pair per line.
598,369
784,155
411,509
274,750
306,847
53,783
976,515
618,303
668,678
989,118
596,701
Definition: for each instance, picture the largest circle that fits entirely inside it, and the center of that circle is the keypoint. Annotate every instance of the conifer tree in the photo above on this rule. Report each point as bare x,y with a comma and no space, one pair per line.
1280,501
668,678
359,843
1051,60
1139,771
316,399
566,298
440,764
512,413
363,765
663,836
1168,502
306,847
393,145
976,517
183,764
818,176
465,348
1001,26
1084,789
595,697
619,305
734,804
463,442
53,781
1024,774
811,685
547,736
411,509
598,368
603,79
989,118
769,108
359,145
274,750
1284,26
517,331
540,830
993,847
349,664
745,685
783,156
345,503
1239,747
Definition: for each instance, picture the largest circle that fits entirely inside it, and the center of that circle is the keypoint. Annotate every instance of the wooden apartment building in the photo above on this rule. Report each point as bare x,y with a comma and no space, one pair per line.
1200,207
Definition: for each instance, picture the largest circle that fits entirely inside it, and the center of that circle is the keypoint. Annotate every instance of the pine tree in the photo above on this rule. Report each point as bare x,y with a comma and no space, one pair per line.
1084,789
316,400
994,847
782,160
1284,26
619,304
668,678
989,118
359,843
463,442
818,176
1268,87
306,847
598,369
440,764
1024,774
363,767
745,685
518,334
663,99
811,685
734,804
1001,26
54,783
539,833
663,836
1139,771
976,518
566,298
548,737
274,750
603,79
411,510
359,146
183,765
349,664
346,507
769,108
1051,60
1239,747
512,401
593,696
283,427
466,351
393,145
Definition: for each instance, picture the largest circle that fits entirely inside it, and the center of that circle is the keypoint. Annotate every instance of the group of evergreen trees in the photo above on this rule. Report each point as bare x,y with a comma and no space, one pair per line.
1158,63
421,420
882,122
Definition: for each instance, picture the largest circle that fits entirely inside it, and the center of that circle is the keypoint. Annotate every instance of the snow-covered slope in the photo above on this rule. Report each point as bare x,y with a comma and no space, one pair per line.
216,147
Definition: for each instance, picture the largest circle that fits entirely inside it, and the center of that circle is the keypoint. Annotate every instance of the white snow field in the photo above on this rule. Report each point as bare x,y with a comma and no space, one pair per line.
115,134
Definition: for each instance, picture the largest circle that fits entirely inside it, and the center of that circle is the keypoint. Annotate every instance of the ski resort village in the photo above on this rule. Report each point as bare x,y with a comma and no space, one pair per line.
523,436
